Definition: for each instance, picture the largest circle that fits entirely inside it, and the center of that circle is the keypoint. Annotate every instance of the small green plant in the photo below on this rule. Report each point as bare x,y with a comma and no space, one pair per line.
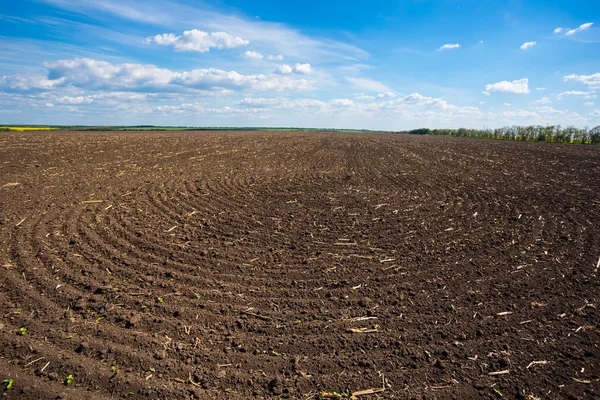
69,379
160,300
99,319
113,368
8,383
22,331
452,307
144,307
276,354
152,369
197,295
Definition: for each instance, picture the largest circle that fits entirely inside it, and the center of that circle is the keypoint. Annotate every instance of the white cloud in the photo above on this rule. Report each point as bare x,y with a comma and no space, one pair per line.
589,103
540,88
543,100
259,102
252,55
342,102
550,111
303,68
416,99
558,30
284,69
278,57
74,100
520,86
200,41
365,97
593,81
528,45
368,85
27,83
580,28
89,74
575,93
507,104
384,95
449,46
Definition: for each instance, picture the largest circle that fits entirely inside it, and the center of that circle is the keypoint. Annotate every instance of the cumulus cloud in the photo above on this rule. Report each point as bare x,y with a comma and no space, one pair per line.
384,95
284,69
28,83
519,86
575,93
302,68
342,102
449,46
278,57
85,73
580,28
593,81
528,45
543,100
507,104
253,55
365,97
558,30
196,40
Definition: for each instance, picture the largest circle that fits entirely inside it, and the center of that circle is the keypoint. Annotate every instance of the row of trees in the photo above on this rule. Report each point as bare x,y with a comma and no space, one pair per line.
533,133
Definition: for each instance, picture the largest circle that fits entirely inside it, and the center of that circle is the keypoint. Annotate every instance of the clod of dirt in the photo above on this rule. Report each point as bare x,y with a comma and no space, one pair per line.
101,290
2,327
274,386
160,354
133,321
364,302
83,346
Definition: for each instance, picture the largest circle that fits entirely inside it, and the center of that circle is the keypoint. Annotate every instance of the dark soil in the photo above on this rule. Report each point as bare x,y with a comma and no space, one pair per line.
237,265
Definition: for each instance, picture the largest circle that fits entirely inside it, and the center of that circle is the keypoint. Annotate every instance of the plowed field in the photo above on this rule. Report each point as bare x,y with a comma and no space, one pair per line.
296,265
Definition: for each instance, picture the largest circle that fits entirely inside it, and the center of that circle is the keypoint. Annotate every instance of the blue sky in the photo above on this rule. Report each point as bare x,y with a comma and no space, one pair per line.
334,64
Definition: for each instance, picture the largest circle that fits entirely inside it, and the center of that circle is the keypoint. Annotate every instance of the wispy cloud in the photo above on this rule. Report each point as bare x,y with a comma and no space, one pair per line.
450,46
575,93
275,38
593,81
368,85
543,100
580,28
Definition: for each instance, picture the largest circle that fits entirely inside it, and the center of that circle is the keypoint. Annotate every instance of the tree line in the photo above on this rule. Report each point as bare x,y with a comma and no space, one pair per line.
532,133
